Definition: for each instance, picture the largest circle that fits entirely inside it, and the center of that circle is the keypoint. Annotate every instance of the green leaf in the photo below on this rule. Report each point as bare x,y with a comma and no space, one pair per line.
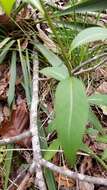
25,75
4,42
7,5
89,35
92,132
86,6
59,73
53,59
71,115
12,81
98,99
92,118
104,155
7,165
52,149
49,177
102,139
5,50
50,180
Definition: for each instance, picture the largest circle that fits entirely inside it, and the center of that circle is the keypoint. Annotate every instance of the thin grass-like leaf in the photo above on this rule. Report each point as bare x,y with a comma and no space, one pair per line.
53,59
52,149
7,165
12,81
4,42
86,6
25,75
5,50
92,118
49,177
98,99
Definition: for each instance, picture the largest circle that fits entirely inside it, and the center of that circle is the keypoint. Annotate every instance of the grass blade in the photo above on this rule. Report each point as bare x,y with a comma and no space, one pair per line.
12,81
7,165
53,59
5,50
25,75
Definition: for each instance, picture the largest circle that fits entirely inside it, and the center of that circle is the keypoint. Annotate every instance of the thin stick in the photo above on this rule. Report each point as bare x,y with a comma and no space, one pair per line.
9,140
33,127
89,61
91,68
74,175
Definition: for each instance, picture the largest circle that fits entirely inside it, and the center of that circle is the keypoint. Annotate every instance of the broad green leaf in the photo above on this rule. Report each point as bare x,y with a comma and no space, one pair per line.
53,59
7,5
86,6
12,81
5,50
59,73
102,139
92,118
35,4
71,115
89,35
98,99
52,149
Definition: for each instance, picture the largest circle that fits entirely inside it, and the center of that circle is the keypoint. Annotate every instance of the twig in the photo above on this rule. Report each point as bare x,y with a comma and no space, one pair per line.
74,175
89,61
15,138
33,127
91,68
20,176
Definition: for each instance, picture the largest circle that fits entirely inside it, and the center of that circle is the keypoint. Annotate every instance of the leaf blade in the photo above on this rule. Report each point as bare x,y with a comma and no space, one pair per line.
7,5
59,73
12,81
97,33
70,106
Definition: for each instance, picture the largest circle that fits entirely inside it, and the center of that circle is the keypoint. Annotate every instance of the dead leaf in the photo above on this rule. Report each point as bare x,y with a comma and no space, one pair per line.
3,89
102,88
64,181
19,123
1,114
85,186
47,41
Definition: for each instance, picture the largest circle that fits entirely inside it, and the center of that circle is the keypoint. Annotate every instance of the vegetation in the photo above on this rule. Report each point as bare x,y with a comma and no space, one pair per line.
53,93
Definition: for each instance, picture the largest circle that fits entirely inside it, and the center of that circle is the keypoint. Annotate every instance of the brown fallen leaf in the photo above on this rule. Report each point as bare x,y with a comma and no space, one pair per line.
85,167
85,186
102,88
64,181
19,123
3,89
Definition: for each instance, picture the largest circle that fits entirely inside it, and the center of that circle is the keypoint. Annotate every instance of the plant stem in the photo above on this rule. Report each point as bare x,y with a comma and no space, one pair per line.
55,34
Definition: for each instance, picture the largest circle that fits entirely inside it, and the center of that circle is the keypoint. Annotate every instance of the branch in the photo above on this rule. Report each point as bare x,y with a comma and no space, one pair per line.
74,175
34,128
9,140
91,68
89,61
